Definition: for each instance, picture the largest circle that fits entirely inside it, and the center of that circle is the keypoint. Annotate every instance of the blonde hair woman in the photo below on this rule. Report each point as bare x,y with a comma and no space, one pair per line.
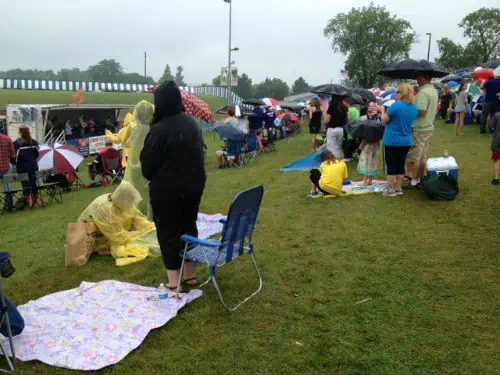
398,137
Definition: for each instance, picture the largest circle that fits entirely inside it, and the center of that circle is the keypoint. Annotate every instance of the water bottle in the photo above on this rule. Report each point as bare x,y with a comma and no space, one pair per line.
162,292
446,154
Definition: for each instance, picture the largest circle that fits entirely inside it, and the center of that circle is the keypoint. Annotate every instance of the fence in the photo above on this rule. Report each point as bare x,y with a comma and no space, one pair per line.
55,85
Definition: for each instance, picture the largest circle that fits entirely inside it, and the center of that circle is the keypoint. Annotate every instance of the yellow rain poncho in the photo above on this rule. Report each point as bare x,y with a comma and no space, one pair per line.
123,137
143,113
125,231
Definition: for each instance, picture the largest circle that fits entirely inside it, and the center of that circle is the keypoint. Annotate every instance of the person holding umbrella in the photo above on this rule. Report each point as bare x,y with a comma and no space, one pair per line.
397,138
336,118
423,128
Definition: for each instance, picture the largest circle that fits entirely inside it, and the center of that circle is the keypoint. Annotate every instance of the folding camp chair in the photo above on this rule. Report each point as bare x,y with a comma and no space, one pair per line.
236,240
11,197
112,168
234,153
49,191
251,148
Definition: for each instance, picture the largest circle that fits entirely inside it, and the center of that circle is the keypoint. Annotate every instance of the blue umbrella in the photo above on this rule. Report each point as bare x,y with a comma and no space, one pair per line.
493,64
230,132
305,164
453,83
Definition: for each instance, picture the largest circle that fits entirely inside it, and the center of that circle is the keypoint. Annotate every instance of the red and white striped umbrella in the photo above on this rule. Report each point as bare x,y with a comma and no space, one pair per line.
65,159
270,102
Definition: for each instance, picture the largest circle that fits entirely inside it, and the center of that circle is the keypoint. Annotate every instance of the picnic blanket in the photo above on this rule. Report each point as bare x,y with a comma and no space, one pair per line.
93,326
357,188
209,225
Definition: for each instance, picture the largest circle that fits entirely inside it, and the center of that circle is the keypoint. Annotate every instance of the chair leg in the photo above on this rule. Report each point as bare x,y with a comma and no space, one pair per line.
219,292
12,364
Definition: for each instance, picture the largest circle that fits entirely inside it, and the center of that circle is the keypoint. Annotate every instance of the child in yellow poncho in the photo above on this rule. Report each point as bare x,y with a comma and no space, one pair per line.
123,229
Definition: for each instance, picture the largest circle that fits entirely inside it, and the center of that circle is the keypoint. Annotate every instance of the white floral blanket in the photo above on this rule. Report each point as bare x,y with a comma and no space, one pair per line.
93,326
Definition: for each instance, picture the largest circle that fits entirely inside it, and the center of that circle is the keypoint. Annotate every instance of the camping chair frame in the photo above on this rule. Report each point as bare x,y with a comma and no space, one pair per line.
269,145
250,155
4,318
52,190
110,168
14,194
235,159
236,240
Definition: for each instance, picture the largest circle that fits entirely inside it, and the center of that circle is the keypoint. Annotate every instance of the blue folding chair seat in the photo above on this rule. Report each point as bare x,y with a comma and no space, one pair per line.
252,148
236,241
234,153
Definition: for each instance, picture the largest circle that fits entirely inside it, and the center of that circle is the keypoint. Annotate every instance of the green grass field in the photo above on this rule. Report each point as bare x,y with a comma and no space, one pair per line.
429,272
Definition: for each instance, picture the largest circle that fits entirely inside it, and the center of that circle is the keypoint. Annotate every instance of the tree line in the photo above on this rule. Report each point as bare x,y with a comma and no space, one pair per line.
371,37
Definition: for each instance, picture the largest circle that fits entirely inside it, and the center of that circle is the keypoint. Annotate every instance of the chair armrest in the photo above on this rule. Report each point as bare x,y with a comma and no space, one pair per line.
196,241
223,221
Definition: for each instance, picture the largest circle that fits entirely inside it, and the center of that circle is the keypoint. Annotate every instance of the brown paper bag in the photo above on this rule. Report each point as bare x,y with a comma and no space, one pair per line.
80,242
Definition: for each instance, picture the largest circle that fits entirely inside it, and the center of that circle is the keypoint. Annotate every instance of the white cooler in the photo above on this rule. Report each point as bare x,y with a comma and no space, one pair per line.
448,166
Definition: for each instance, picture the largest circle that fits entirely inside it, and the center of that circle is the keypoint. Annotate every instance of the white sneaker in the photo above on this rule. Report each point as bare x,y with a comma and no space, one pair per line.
315,194
398,192
415,182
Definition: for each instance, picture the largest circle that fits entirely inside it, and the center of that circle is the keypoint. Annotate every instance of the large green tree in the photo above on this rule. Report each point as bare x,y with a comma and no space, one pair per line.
483,30
244,88
300,86
167,75
370,37
272,88
179,78
107,70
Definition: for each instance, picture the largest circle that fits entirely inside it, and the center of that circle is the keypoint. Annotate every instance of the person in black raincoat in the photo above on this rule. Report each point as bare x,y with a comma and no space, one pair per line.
173,162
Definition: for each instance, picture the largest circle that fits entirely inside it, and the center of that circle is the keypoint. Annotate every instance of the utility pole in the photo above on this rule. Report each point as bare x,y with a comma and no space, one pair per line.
145,75
429,47
229,57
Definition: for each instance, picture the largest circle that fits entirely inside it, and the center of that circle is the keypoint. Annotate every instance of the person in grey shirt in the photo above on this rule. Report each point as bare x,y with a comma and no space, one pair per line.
461,107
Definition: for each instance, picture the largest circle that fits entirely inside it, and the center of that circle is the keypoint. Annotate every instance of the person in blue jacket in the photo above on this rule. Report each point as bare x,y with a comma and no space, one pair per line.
27,151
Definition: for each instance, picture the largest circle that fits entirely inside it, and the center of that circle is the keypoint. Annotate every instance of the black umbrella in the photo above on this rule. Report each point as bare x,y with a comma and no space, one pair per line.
369,130
410,69
355,99
243,110
253,101
365,94
230,132
331,89
450,77
493,64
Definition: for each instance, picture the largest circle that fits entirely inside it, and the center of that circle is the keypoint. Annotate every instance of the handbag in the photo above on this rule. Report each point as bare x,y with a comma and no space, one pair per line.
80,242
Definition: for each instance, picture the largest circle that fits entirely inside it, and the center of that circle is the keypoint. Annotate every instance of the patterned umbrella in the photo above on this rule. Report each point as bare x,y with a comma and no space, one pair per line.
271,102
65,159
288,117
195,107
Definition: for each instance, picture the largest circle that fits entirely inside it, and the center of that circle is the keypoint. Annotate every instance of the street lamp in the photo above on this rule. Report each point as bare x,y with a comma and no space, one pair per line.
429,47
229,54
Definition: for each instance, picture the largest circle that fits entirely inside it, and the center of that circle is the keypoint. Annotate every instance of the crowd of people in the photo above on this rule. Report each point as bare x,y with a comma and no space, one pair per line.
84,127
409,127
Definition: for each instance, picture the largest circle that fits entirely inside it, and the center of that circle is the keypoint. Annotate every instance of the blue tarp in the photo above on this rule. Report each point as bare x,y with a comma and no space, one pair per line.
305,164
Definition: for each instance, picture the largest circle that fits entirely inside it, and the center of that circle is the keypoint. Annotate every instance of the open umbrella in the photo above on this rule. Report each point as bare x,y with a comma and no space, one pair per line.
195,107
243,110
453,84
254,102
271,102
288,117
366,95
389,97
369,130
410,69
450,77
355,99
483,74
331,89
493,64
388,103
63,158
230,132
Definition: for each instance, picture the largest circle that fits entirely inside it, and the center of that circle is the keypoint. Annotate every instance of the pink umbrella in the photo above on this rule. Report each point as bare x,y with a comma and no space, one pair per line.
63,158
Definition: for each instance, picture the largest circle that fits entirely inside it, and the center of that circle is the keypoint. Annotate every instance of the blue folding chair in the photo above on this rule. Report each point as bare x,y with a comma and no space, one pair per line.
251,148
236,240
234,156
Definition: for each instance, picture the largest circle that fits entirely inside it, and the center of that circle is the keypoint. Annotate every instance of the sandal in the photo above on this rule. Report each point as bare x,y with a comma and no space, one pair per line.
173,289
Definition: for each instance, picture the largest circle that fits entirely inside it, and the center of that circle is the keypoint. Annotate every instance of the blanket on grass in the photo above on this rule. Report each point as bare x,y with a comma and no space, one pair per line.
93,326
357,188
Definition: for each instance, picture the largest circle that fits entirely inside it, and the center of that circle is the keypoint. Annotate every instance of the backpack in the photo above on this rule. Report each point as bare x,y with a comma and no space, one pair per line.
440,187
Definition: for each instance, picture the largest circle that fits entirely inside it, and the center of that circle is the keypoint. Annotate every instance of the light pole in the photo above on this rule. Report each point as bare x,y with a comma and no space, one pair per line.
429,47
145,76
229,54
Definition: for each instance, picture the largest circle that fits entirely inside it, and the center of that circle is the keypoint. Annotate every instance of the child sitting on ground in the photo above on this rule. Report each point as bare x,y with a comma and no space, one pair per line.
330,176
368,161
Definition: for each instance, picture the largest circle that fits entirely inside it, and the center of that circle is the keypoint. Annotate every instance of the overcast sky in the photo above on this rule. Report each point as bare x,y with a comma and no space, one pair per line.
277,38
